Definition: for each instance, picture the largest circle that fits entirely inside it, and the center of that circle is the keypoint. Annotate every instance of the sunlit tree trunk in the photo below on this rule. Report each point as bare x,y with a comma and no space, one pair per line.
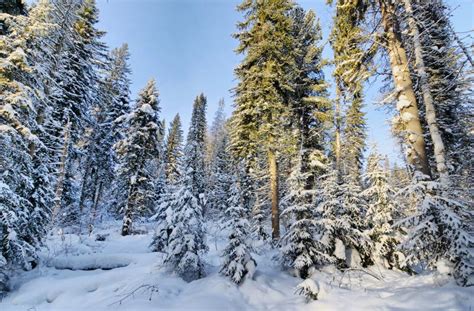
405,94
273,167
430,114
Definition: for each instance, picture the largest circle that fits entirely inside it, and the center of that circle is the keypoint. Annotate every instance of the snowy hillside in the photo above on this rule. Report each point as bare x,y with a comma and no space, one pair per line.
121,273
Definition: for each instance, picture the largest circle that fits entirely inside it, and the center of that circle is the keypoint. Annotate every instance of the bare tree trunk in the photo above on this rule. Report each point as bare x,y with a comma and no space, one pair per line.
127,218
98,196
430,115
406,99
337,120
62,173
273,167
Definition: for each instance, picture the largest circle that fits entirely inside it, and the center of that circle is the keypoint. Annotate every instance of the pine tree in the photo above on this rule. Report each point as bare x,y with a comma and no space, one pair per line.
140,152
300,250
261,94
238,263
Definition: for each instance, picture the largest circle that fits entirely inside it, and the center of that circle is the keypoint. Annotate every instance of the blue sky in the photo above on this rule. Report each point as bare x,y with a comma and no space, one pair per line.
186,45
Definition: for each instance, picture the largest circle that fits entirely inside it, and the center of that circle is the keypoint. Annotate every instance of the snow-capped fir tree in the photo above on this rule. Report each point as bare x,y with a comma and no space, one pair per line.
260,201
25,182
311,107
300,248
340,219
195,149
186,237
80,55
439,229
351,71
238,263
174,150
99,183
140,153
186,240
382,212
221,178
173,164
217,130
261,104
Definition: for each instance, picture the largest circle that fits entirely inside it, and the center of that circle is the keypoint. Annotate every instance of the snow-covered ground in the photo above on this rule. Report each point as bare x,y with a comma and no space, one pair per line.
120,273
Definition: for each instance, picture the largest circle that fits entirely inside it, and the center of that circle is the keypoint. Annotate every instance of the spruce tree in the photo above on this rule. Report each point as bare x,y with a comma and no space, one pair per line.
195,149
382,212
25,182
439,229
140,152
262,92
340,219
238,263
174,150
300,250
186,238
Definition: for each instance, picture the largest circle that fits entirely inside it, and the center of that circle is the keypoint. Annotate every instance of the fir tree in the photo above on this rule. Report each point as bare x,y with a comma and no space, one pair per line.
261,94
25,182
300,250
238,263
139,152
186,238
195,149
439,229
221,179
340,215
382,211
174,151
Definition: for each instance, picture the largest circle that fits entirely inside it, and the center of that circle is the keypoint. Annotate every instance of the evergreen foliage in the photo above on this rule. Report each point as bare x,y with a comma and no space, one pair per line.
140,154
238,263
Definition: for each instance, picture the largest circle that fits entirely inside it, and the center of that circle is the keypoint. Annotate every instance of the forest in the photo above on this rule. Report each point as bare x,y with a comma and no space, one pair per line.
282,205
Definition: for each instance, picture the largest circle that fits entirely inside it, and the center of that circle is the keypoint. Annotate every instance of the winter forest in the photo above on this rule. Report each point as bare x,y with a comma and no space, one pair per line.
281,204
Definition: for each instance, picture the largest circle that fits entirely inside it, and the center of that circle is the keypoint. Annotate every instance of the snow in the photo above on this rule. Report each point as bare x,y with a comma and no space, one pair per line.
64,281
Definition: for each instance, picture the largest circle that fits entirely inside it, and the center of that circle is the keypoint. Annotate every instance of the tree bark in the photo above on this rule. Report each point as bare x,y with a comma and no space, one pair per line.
273,167
430,113
406,99
62,173
337,121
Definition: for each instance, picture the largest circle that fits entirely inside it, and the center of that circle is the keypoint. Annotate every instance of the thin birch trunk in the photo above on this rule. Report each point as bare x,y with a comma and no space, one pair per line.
430,115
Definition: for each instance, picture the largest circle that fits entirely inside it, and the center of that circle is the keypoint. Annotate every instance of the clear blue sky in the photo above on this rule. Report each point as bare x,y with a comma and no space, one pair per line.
186,45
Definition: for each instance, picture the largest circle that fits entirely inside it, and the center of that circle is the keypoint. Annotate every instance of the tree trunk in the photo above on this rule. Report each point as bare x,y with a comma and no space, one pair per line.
127,218
97,198
337,121
273,167
62,173
430,114
406,99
